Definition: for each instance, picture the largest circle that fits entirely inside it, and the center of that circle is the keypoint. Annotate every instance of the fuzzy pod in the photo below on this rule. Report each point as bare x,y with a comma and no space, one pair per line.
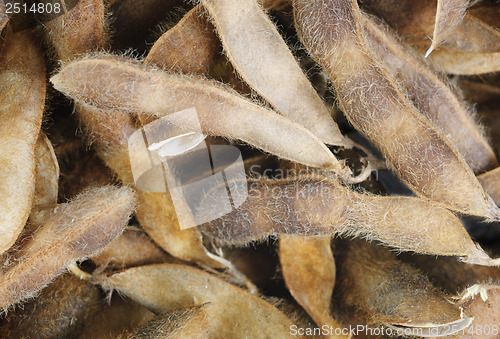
188,322
449,14
22,101
473,48
308,267
316,205
259,54
233,312
416,22
391,293
463,63
132,248
433,96
77,31
119,315
76,230
449,273
377,106
46,182
474,35
60,311
190,46
110,82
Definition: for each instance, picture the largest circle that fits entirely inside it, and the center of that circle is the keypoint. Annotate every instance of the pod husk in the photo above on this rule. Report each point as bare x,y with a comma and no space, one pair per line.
308,267
234,312
22,101
390,292
421,156
76,230
60,311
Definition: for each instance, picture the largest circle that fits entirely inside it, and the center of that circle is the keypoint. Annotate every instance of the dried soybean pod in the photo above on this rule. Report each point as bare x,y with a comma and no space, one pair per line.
474,35
464,63
60,311
317,205
434,98
233,312
377,107
189,47
448,15
46,182
483,303
76,230
22,100
491,183
115,83
132,248
109,134
187,322
118,316
308,268
391,292
449,273
415,22
262,58
78,30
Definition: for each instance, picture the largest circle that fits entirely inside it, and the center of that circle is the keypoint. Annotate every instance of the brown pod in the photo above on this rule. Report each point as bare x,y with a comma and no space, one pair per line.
114,83
233,312
132,248
416,22
434,97
188,322
308,267
449,273
117,316
76,230
77,31
190,46
259,54
463,63
377,106
449,14
318,205
391,293
22,101
60,311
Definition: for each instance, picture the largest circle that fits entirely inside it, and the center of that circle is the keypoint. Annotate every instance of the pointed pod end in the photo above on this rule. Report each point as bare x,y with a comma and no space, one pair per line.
480,257
429,51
